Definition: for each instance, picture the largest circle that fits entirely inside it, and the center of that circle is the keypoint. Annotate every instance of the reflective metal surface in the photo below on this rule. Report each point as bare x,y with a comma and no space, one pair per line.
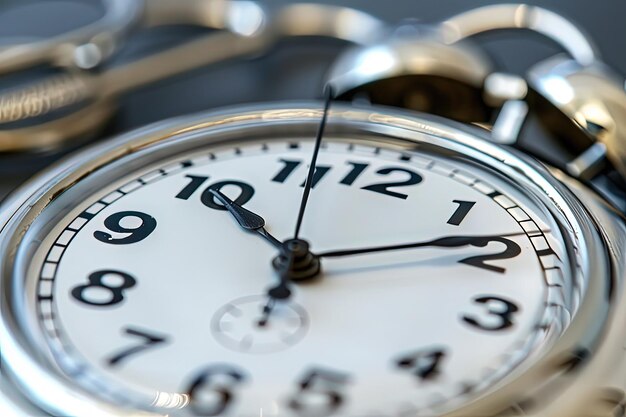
598,238
89,99
83,48
434,69
523,16
592,97
416,71
310,19
61,107
89,46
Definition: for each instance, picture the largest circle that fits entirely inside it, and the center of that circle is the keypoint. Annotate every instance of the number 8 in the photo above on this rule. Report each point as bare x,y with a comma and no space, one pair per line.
81,292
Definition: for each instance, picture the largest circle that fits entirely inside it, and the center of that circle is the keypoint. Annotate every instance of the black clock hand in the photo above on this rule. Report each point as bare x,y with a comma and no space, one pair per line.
442,242
280,292
253,222
267,311
309,179
247,219
296,262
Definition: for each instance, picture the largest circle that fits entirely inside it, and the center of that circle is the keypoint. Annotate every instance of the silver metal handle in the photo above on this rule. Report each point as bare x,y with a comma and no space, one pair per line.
84,48
248,35
522,16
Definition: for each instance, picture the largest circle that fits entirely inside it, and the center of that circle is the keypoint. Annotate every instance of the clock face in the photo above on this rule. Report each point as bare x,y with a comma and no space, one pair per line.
149,292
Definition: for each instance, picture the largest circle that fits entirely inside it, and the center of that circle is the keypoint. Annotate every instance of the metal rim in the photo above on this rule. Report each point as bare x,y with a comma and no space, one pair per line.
23,207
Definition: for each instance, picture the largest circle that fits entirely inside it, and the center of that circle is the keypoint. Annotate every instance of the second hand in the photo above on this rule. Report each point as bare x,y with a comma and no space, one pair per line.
281,292
309,179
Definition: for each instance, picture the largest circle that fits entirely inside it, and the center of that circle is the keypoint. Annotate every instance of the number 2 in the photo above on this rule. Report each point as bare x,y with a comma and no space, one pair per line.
290,166
383,188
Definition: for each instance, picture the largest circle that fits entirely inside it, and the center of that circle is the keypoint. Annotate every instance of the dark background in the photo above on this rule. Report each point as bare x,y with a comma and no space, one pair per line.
293,70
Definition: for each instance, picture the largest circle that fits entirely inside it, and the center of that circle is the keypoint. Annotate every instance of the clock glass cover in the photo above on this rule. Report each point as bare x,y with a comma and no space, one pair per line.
144,291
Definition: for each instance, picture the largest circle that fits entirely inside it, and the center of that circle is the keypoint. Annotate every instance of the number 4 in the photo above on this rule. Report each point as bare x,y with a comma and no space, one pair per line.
424,363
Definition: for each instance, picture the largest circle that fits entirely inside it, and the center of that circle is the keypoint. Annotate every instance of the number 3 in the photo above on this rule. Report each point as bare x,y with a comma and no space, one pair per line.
498,307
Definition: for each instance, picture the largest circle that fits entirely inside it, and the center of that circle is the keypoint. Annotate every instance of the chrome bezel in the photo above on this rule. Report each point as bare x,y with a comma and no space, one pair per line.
43,385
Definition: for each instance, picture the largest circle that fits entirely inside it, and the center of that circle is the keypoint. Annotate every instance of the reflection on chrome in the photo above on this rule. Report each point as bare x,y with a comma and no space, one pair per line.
376,60
171,400
246,18
559,89
274,410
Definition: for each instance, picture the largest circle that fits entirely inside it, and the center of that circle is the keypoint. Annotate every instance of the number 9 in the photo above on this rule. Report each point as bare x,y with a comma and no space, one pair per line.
139,233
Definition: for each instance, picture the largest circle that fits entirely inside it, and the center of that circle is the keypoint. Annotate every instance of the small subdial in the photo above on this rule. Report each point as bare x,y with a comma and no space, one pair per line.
256,324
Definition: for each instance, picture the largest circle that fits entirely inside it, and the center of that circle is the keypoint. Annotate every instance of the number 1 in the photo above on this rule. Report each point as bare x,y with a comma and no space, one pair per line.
191,188
461,211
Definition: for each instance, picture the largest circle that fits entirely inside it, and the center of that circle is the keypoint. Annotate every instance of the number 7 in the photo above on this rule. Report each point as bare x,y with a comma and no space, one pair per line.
149,341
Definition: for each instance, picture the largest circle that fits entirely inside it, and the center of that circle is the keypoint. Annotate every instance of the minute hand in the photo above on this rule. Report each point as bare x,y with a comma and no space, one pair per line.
443,242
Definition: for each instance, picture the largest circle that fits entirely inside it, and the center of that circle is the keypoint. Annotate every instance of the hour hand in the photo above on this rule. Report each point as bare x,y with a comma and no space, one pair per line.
246,219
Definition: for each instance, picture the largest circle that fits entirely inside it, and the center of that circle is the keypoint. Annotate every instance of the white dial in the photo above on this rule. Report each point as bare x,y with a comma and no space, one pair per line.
152,287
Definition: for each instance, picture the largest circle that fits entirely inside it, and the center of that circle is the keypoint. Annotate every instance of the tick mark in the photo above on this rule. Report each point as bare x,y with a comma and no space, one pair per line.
86,215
